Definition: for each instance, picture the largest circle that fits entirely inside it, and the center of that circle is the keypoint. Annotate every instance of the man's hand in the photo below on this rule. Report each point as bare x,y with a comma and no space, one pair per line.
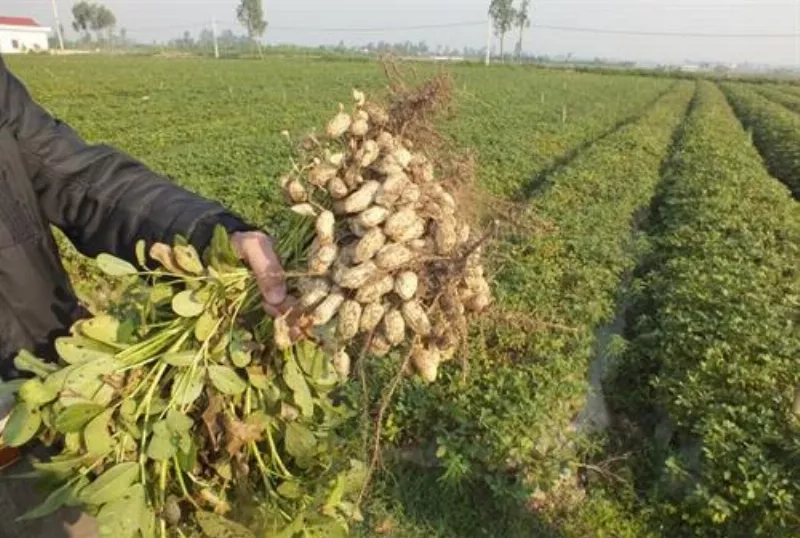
255,249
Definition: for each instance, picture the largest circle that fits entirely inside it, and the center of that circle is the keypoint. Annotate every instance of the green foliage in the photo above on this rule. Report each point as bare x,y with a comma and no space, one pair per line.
250,14
144,410
781,94
776,132
90,16
503,17
711,370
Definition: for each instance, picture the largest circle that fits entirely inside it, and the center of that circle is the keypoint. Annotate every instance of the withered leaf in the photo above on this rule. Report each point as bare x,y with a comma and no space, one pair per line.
238,434
211,418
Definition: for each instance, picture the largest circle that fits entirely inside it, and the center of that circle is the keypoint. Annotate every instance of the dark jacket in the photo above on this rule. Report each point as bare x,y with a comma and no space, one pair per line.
101,198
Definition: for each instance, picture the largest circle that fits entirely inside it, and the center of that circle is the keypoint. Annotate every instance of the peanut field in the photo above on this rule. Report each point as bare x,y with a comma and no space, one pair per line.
638,373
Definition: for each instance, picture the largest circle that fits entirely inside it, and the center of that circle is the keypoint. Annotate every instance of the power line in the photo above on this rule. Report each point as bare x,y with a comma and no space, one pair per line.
166,28
660,34
541,27
380,29
361,9
574,29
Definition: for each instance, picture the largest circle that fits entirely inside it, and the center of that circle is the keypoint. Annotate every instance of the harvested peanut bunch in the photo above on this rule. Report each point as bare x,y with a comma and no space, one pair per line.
394,262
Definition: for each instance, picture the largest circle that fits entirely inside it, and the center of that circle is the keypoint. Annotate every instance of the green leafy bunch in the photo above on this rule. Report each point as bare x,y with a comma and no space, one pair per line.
168,411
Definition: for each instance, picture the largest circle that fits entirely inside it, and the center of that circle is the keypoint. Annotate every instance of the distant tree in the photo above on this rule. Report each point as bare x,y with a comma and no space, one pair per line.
88,17
231,42
206,38
250,14
503,16
83,15
103,20
523,21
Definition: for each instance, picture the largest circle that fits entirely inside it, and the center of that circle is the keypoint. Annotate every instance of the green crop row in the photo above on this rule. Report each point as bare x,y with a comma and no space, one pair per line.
528,382
715,331
776,132
780,95
519,122
789,89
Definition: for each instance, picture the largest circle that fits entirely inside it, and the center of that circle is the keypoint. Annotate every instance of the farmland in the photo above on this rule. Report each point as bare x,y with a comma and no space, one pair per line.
639,224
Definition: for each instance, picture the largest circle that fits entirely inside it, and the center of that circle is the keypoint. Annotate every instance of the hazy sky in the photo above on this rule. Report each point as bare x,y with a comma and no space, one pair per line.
329,21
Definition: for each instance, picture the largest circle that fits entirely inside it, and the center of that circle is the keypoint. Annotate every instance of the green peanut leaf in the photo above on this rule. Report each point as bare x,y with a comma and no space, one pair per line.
188,386
127,332
187,459
141,253
295,380
57,379
75,418
335,496
26,362
161,448
22,425
74,351
72,443
186,304
62,465
93,370
161,293
147,522
205,326
215,526
122,517
300,442
103,329
157,405
257,377
187,259
226,380
111,485
290,490
10,388
36,393
181,359
240,355
305,353
113,266
178,423
128,408
96,436
87,380
220,253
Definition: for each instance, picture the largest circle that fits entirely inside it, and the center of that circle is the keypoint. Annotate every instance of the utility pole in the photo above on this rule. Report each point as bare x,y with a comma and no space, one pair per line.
214,31
58,25
489,39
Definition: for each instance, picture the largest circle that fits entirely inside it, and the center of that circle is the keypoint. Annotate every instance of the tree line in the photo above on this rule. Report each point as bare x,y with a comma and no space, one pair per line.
95,18
505,16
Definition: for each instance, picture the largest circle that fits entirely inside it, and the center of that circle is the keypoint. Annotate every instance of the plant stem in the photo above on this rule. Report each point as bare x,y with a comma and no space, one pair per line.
162,482
274,454
182,483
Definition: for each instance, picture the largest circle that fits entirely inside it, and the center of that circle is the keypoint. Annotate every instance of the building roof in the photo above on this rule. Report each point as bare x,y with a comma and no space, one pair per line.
18,21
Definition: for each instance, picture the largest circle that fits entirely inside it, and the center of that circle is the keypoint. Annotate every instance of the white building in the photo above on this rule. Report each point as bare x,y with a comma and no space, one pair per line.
21,34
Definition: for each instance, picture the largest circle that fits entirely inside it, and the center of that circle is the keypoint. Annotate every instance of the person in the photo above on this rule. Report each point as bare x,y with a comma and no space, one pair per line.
104,201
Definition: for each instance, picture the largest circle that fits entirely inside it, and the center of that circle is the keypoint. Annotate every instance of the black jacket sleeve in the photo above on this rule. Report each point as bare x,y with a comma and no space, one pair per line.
101,198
